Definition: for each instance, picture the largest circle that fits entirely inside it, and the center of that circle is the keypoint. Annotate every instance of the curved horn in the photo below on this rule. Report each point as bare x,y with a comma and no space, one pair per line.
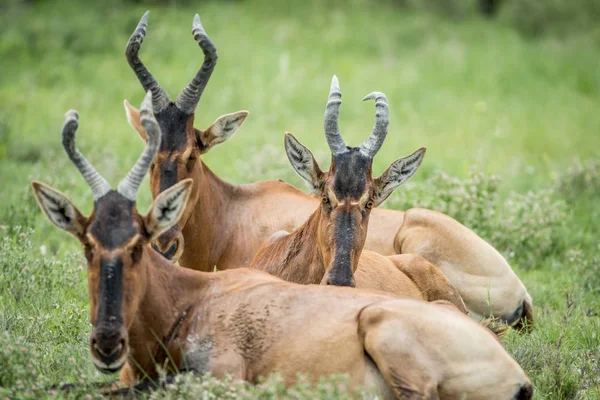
189,97
332,112
97,183
128,187
371,146
160,98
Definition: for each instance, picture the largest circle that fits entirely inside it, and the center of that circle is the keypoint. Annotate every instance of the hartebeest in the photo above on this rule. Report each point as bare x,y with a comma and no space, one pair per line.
146,311
225,224
328,247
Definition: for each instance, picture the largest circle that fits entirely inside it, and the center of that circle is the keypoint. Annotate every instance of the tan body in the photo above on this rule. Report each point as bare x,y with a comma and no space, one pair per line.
249,324
148,313
297,258
484,279
228,223
224,225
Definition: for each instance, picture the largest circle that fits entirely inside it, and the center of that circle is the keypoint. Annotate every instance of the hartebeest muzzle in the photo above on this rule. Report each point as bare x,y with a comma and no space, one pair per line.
109,347
108,341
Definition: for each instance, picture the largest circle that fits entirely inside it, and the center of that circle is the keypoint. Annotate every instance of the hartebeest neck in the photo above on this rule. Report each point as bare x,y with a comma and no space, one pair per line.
296,257
167,295
208,222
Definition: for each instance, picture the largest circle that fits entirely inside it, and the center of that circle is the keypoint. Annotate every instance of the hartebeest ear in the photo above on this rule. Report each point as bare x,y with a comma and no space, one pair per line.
167,209
397,173
304,163
59,209
221,130
133,117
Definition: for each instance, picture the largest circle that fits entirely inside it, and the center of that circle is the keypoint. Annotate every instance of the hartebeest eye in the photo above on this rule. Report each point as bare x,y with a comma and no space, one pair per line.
369,204
325,199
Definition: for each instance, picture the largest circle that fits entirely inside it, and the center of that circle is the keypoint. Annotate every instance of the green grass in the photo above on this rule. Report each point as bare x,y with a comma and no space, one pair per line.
480,96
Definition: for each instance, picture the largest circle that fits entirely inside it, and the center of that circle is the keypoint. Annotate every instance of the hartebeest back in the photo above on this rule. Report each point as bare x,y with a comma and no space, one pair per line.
147,312
328,247
225,224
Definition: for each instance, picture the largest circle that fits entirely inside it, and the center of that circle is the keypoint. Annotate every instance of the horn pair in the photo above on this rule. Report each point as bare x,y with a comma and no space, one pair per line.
129,186
189,97
336,143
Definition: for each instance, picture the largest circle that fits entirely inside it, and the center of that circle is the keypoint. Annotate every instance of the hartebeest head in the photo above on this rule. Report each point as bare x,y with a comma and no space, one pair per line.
114,237
348,191
182,144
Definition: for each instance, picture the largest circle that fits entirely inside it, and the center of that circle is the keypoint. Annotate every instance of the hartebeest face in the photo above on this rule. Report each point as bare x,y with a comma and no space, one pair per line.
114,238
182,144
348,191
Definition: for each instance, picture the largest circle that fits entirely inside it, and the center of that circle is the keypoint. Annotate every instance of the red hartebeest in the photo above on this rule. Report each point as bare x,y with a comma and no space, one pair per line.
225,224
146,311
328,247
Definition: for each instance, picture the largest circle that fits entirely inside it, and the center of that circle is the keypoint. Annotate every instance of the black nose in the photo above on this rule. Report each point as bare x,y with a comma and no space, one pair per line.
108,352
525,392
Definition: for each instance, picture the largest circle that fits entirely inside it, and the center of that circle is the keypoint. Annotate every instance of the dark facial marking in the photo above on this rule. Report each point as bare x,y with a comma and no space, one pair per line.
341,268
113,223
352,171
173,125
168,174
111,280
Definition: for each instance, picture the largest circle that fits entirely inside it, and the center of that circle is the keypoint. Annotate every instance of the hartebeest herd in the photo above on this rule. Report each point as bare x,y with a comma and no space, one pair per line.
401,324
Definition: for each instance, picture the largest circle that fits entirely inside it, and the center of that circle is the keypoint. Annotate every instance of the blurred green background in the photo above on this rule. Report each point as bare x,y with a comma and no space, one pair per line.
505,99
474,90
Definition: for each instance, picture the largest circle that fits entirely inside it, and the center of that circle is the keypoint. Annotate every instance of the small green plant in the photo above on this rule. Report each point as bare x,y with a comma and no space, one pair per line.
527,227
188,386
580,178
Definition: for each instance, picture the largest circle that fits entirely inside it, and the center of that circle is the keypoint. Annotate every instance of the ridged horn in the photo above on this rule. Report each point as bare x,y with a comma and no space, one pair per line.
189,97
129,186
371,146
160,98
332,112
97,183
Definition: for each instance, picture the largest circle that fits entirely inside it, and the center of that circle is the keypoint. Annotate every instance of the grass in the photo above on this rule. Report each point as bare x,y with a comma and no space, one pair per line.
503,117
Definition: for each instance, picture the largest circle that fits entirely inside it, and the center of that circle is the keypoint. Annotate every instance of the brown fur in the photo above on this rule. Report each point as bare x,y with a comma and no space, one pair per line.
239,325
297,258
225,224
247,324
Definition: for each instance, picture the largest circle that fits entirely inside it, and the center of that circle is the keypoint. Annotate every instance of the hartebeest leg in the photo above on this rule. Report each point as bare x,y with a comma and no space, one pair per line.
429,279
484,279
392,346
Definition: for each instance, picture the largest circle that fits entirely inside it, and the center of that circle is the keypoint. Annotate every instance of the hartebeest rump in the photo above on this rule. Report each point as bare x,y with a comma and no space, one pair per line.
328,247
147,312
225,224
